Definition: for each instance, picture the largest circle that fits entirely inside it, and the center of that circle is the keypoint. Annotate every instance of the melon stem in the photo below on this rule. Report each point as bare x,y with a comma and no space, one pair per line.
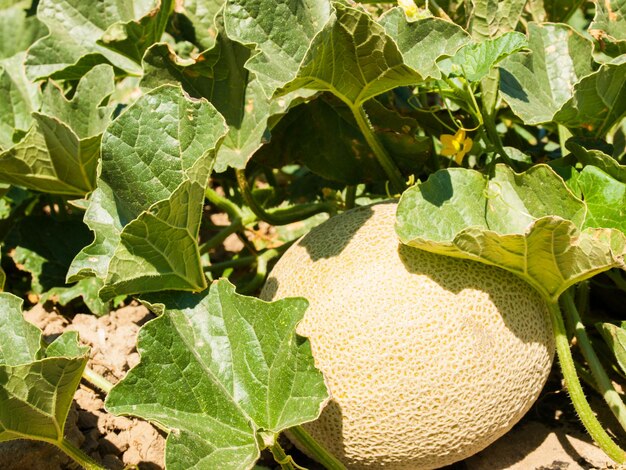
603,382
315,449
581,405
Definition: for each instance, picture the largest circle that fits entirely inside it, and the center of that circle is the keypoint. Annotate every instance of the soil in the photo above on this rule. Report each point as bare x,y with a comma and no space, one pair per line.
549,437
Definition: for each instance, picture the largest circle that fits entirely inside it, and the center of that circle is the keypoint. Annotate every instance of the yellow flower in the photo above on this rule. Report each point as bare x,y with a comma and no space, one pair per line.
456,145
410,9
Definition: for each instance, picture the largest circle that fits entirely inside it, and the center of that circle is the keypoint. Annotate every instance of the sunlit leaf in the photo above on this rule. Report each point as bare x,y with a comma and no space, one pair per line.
422,43
353,58
145,213
281,32
537,84
221,371
36,387
529,224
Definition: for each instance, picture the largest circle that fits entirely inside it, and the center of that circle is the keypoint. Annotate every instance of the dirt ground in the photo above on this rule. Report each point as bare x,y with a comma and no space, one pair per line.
548,438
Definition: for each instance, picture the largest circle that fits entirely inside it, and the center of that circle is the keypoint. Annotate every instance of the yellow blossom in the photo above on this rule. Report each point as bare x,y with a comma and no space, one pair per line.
410,9
456,145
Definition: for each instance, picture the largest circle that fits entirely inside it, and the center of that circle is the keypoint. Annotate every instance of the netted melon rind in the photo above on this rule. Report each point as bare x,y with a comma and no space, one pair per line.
429,359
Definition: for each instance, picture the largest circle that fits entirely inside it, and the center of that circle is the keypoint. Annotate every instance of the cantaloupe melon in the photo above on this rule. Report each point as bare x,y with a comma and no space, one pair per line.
428,358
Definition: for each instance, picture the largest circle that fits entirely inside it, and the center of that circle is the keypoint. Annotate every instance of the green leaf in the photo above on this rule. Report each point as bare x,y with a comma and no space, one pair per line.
159,249
86,289
605,198
474,61
29,164
219,369
219,76
490,18
76,27
353,58
60,154
85,114
597,158
20,99
66,345
528,223
615,337
280,30
609,26
36,391
133,38
156,159
537,84
18,29
3,278
424,42
21,340
598,102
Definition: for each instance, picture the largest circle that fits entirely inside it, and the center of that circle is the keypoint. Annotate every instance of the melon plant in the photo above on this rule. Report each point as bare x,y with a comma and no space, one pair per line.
171,152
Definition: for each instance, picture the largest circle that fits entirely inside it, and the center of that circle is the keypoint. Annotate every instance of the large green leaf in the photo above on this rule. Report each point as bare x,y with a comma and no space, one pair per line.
20,98
424,42
474,61
219,76
156,159
490,18
223,372
353,58
609,25
60,154
18,29
598,102
537,84
280,30
529,224
36,387
77,26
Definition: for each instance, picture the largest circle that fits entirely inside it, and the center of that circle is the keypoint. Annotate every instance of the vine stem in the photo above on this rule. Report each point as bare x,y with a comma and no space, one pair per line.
283,215
78,455
602,380
315,449
97,380
385,161
286,461
584,411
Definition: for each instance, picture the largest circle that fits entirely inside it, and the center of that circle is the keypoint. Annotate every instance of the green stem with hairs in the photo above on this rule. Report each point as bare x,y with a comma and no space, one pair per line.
602,380
97,380
385,161
231,263
283,215
286,461
261,267
584,411
315,449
